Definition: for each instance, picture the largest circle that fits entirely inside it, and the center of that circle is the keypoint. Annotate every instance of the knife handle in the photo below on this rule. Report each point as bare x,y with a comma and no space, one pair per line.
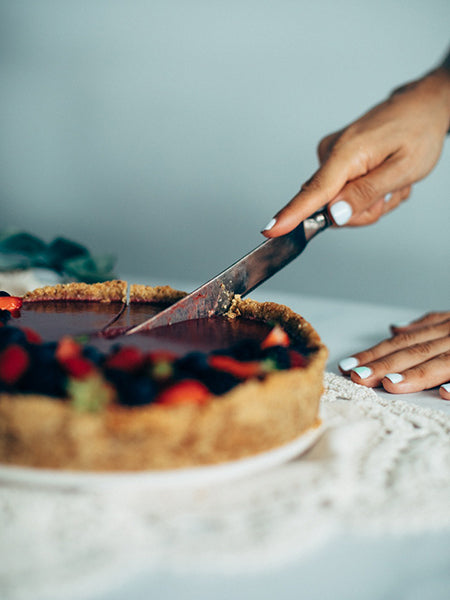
316,223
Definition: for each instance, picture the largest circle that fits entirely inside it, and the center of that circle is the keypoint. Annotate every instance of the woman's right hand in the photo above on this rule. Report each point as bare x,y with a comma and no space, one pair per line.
368,168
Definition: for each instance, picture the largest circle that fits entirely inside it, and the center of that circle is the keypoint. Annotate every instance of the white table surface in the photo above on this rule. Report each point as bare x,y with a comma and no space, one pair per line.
413,567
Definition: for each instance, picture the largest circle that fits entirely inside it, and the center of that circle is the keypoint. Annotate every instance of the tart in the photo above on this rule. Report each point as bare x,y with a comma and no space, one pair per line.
75,393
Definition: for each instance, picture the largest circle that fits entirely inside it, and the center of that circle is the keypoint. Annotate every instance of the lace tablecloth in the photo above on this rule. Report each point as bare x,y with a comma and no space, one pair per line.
380,467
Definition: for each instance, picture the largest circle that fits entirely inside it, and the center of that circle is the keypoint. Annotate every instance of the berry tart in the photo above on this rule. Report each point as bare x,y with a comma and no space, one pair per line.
75,393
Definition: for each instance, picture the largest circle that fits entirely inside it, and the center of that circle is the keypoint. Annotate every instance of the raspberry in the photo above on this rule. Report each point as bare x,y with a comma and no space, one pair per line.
31,336
127,359
78,367
14,361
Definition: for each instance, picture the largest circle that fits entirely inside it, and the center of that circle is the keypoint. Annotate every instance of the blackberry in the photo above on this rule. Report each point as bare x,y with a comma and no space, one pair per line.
44,375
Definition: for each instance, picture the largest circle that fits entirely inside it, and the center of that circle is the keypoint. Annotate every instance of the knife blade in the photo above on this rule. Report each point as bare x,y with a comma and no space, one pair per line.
215,296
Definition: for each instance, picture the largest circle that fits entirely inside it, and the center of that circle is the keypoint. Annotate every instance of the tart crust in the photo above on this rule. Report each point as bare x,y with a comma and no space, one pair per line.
255,416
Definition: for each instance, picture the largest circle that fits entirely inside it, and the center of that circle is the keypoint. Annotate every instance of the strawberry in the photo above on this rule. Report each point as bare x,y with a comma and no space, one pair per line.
32,336
277,337
67,349
187,391
79,367
240,369
10,303
14,361
127,359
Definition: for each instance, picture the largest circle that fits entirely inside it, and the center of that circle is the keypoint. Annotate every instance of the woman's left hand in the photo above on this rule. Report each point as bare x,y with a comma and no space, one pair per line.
415,358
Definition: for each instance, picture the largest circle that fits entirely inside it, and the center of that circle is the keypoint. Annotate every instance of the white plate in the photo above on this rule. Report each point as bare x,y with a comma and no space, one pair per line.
196,476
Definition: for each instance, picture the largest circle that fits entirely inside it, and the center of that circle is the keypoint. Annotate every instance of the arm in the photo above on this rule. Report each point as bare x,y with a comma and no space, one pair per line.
368,168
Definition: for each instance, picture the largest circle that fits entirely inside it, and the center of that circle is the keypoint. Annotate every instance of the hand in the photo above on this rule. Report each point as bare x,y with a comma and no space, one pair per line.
416,358
367,168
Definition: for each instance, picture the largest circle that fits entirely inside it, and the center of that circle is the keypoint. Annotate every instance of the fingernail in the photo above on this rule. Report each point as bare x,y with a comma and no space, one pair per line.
446,387
341,212
270,224
363,372
388,197
395,377
347,364
400,324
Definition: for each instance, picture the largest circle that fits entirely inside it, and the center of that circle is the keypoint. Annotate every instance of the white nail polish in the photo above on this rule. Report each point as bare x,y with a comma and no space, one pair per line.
341,212
401,324
363,372
347,364
388,197
395,377
270,224
446,387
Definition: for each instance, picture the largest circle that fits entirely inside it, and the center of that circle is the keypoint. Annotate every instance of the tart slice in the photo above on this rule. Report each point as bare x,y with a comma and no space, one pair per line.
202,392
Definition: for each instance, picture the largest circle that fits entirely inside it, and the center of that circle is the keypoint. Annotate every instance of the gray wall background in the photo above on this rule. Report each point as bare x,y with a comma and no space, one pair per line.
170,132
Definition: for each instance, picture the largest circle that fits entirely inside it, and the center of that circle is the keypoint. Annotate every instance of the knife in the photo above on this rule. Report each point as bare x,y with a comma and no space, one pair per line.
215,296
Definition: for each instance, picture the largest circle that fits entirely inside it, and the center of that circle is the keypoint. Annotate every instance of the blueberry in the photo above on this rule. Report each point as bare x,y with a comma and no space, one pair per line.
5,316
44,375
219,382
3,293
11,335
193,364
92,354
132,390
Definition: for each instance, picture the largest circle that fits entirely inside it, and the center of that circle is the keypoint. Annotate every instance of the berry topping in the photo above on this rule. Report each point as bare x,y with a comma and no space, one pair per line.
14,362
10,303
240,369
297,360
31,336
79,367
187,391
127,359
67,349
277,337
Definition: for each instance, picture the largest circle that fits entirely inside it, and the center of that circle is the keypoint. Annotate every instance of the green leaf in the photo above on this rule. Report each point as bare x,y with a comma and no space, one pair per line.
60,250
21,243
90,269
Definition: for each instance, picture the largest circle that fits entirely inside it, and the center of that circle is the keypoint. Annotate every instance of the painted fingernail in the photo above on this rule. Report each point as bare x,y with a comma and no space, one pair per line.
341,212
446,387
388,197
363,372
400,324
347,364
395,377
270,224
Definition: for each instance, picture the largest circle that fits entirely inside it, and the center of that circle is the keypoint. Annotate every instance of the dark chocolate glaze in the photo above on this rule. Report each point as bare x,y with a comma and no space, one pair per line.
105,324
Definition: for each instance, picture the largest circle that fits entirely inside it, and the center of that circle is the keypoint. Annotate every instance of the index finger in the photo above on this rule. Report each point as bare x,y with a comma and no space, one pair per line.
323,186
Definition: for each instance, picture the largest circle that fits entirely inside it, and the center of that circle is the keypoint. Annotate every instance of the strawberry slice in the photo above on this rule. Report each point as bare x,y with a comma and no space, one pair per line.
14,361
240,369
10,303
67,349
277,337
187,391
127,359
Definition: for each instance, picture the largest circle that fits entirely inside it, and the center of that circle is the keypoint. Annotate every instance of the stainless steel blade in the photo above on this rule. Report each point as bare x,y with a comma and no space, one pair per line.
215,296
